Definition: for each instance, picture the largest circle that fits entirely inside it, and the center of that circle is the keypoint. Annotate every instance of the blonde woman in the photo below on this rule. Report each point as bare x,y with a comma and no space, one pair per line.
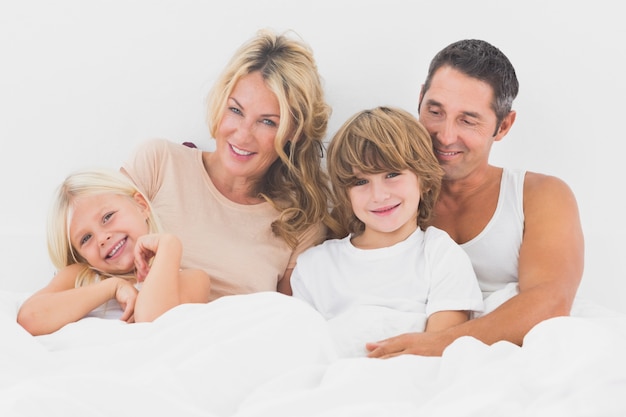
106,243
246,210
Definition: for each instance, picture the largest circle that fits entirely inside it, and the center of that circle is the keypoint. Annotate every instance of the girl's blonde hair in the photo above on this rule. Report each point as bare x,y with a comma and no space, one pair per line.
296,183
380,140
85,183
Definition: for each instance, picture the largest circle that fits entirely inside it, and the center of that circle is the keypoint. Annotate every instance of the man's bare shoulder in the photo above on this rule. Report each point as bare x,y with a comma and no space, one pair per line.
542,184
547,194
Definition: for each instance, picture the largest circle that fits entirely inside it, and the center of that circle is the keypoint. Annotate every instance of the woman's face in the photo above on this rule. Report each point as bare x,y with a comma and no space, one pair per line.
245,135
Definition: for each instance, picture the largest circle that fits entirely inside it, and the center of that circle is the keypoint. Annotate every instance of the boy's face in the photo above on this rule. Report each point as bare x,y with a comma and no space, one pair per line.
387,203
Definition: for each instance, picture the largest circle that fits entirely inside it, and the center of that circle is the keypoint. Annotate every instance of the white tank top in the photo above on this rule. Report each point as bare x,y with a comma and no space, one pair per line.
495,251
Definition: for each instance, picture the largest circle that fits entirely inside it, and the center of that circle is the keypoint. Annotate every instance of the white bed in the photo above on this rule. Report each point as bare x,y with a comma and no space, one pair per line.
83,83
268,354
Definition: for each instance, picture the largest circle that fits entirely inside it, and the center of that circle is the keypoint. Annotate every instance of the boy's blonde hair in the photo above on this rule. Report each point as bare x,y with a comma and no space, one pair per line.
85,183
383,139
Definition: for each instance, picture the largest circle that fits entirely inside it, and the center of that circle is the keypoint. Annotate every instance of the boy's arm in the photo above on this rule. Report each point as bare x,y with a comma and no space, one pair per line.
442,320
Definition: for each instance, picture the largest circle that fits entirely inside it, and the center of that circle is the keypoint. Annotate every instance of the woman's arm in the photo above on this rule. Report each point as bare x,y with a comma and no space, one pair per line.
60,303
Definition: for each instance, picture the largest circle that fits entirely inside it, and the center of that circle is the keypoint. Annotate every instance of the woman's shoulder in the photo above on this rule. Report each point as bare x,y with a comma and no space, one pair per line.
162,145
162,151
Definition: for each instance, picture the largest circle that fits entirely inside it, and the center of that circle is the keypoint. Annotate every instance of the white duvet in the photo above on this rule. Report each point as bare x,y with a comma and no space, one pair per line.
271,355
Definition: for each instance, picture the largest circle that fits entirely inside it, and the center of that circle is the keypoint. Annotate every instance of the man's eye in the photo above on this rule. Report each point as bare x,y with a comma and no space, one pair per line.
433,112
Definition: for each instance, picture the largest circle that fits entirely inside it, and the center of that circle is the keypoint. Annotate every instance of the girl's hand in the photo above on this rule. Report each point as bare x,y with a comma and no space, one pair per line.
126,296
145,250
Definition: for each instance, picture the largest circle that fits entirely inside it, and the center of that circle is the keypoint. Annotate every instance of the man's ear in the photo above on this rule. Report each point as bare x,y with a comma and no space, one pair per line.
419,102
505,125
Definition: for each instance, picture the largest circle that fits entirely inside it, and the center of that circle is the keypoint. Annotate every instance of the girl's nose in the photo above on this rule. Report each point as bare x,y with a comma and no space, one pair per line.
103,237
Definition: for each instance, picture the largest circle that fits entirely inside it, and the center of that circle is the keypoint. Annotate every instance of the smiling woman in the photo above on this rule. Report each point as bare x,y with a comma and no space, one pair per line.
246,210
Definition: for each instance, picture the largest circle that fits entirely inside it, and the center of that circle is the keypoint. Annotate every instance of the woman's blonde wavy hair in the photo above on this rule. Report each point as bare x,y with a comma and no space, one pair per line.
380,140
295,183
85,183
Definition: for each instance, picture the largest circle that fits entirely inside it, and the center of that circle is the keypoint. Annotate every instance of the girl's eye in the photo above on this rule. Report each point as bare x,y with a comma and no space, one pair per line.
84,239
107,217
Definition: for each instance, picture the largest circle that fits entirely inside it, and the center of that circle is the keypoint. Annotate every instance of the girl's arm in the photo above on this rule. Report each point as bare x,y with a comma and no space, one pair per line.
60,303
164,284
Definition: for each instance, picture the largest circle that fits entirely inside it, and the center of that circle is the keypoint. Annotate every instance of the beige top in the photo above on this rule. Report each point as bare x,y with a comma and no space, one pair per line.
232,242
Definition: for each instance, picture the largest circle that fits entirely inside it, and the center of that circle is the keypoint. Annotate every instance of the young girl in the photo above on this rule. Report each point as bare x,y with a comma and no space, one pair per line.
106,242
392,273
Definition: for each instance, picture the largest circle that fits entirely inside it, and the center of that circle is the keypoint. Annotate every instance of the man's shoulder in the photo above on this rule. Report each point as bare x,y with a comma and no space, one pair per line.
539,183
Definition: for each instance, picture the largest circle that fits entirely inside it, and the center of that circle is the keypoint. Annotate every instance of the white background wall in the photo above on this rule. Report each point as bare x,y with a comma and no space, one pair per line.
82,82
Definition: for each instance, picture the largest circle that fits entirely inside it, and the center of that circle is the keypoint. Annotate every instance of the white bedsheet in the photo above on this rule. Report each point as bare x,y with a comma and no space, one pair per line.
270,355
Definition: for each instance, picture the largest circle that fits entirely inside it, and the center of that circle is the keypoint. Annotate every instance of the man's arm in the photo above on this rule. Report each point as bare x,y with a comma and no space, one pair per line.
551,264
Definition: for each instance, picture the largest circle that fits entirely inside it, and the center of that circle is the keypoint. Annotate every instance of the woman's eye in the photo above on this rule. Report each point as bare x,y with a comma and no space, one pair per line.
268,122
234,110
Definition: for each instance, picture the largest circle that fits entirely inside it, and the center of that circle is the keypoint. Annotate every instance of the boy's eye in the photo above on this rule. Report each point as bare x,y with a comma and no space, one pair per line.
393,174
359,181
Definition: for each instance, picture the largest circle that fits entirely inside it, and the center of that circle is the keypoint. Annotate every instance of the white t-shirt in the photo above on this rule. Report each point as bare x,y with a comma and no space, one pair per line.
368,295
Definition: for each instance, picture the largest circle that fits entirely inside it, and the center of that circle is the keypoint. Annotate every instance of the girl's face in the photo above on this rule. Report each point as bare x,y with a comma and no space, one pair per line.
387,203
246,133
104,230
